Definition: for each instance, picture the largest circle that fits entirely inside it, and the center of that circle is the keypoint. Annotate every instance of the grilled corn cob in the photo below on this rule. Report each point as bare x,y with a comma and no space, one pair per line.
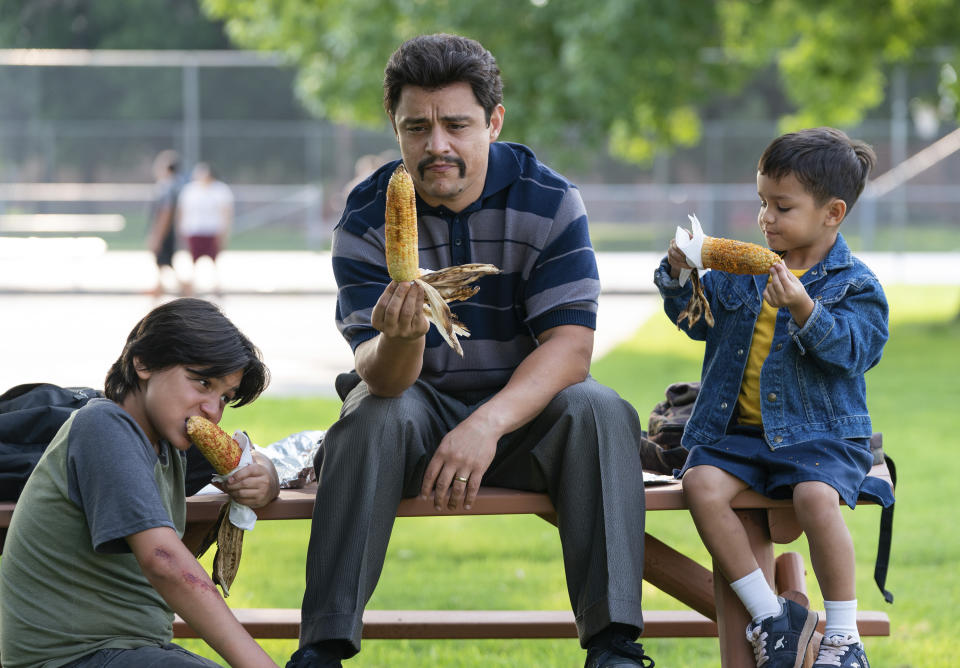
439,287
403,260
220,449
737,257
224,453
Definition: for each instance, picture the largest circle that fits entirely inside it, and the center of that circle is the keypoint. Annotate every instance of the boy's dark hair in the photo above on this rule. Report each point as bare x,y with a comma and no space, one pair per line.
435,61
196,334
825,161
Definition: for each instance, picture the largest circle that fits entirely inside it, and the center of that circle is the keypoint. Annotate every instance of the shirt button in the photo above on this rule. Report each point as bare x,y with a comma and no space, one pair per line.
457,242
779,346
771,397
778,439
740,352
723,405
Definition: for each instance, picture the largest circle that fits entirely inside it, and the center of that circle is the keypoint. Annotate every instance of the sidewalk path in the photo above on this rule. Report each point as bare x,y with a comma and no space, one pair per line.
65,314
66,309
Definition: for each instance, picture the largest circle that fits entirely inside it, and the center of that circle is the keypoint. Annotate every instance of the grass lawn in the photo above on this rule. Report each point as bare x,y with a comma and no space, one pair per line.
514,562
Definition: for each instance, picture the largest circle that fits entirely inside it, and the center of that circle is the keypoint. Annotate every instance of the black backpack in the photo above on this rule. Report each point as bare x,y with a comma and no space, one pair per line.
30,416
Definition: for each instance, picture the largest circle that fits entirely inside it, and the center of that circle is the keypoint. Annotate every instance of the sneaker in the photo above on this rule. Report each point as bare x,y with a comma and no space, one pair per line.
621,653
781,641
844,651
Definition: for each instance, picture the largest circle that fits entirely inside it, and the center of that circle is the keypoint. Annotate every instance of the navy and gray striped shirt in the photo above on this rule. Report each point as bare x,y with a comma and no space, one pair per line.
530,222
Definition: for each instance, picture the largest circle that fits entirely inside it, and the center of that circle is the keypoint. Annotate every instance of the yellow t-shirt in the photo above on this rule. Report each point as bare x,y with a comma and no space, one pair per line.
748,403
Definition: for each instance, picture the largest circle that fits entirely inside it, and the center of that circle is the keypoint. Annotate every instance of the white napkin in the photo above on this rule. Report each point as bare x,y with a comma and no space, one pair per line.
690,246
241,516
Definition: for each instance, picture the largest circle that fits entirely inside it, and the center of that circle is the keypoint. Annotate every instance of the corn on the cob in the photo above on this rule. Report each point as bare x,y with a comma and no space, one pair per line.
736,257
403,260
439,287
220,449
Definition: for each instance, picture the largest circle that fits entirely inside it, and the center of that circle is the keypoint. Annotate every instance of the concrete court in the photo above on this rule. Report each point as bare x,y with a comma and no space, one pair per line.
65,311
66,306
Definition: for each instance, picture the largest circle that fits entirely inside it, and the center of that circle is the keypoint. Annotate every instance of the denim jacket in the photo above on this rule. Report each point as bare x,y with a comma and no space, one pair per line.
811,383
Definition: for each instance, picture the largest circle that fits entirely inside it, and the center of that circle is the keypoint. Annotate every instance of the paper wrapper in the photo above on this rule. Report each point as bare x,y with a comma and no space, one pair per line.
241,516
691,247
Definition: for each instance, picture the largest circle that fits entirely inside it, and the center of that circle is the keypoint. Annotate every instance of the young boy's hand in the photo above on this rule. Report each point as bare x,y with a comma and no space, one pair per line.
254,485
677,259
785,290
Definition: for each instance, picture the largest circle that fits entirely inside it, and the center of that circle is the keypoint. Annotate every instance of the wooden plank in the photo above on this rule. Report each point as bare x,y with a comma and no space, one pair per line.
679,576
489,624
463,624
298,503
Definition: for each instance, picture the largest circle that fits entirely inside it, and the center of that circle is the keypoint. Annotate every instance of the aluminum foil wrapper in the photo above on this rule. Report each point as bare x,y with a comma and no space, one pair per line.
293,457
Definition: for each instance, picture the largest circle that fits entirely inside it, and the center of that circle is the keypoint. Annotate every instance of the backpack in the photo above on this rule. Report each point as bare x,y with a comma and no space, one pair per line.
30,416
660,448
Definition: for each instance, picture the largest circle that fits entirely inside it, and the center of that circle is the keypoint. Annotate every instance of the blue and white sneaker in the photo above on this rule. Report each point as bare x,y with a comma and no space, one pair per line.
843,651
781,641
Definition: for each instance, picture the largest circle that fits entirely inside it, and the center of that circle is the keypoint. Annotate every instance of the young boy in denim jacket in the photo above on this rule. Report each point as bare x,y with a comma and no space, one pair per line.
782,408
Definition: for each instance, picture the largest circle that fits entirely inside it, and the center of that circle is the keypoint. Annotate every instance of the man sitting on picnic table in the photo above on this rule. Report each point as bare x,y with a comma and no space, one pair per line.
518,410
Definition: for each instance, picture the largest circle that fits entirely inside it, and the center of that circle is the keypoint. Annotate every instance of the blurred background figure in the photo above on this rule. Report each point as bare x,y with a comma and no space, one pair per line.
162,235
204,218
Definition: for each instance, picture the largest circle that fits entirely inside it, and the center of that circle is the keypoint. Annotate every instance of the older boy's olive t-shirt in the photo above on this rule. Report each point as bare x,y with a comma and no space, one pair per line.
68,581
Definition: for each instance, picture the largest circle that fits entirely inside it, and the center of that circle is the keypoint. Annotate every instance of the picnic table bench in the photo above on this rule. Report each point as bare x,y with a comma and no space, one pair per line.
714,611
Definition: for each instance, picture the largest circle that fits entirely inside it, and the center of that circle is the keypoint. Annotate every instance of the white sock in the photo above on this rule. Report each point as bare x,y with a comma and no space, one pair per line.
757,596
841,619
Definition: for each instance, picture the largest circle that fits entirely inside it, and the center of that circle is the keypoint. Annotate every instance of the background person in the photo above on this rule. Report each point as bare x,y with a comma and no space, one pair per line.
162,237
518,410
204,218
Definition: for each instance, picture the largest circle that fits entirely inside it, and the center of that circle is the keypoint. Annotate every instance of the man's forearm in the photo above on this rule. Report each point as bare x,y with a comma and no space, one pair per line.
390,366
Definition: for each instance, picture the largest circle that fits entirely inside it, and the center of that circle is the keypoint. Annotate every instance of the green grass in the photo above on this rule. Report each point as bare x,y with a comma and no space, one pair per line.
514,562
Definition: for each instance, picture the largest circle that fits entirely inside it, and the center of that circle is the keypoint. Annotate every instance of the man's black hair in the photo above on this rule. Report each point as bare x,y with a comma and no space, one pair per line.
435,61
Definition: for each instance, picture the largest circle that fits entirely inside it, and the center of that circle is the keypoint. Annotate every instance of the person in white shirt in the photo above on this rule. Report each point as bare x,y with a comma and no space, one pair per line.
204,217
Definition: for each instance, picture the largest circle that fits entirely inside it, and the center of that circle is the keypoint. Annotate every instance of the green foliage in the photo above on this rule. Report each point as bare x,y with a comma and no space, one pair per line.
619,72
834,58
631,76
93,24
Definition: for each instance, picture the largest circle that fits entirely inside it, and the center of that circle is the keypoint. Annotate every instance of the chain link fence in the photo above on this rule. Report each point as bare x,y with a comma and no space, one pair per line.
78,134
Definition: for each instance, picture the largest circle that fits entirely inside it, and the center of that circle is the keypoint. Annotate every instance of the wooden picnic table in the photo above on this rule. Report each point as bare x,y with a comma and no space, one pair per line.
714,611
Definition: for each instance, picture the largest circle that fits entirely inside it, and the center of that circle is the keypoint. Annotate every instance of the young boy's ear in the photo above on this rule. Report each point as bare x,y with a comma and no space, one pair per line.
142,371
836,211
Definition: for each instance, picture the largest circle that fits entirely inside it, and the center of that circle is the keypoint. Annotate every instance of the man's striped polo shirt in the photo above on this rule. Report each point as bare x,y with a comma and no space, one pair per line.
529,221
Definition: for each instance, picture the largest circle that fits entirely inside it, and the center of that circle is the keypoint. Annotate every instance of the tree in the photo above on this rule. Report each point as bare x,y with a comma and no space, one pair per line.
632,74
94,24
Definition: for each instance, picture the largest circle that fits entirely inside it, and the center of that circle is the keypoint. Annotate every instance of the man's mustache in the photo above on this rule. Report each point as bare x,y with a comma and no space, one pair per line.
426,162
